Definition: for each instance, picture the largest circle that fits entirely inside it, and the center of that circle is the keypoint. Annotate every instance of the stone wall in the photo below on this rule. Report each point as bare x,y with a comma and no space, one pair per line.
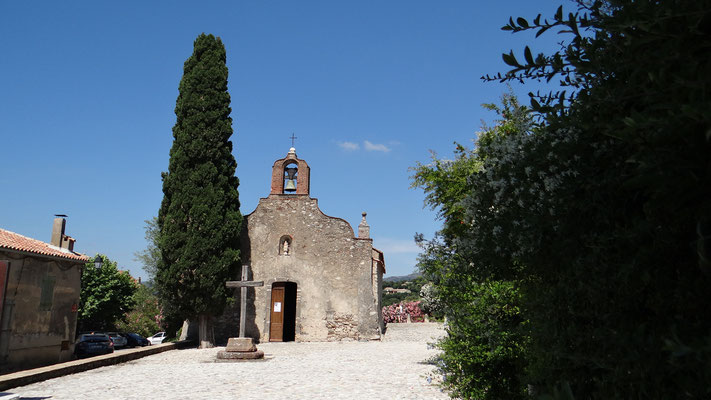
377,276
341,327
35,333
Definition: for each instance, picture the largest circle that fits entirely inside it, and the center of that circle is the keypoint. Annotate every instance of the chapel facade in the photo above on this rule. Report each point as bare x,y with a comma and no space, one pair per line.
321,281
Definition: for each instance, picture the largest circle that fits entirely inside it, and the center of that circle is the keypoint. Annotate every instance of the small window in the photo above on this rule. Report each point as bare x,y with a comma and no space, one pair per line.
47,293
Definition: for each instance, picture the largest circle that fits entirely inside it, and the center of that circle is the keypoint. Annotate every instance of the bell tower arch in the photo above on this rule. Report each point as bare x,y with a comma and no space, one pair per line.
290,175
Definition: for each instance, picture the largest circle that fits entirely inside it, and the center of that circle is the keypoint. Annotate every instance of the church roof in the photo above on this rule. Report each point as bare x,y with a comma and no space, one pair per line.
14,241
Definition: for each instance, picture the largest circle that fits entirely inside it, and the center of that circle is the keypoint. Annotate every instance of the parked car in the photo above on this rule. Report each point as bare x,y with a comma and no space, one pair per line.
118,339
158,338
135,339
89,345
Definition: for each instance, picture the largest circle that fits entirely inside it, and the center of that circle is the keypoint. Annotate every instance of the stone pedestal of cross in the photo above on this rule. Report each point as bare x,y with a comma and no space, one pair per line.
242,347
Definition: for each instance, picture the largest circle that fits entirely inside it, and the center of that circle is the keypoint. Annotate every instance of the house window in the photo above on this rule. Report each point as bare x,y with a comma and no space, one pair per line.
47,293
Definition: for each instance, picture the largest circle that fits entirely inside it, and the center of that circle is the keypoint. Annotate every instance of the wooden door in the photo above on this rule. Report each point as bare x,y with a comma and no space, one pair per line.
276,329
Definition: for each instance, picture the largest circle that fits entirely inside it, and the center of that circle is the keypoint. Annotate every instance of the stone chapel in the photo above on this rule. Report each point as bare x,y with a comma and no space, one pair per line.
321,281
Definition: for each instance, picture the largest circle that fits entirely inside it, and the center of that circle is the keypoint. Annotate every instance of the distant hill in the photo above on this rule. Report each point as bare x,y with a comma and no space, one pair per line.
402,278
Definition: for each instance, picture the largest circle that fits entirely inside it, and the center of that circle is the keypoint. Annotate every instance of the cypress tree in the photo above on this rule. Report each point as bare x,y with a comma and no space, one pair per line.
199,218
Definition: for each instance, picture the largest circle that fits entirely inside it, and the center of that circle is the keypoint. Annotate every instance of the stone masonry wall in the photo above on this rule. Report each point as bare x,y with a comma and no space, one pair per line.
32,334
341,327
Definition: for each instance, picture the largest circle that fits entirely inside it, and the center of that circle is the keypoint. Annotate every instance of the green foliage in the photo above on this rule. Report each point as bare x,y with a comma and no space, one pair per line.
484,354
445,183
599,216
602,215
106,295
395,298
146,316
150,256
199,218
413,286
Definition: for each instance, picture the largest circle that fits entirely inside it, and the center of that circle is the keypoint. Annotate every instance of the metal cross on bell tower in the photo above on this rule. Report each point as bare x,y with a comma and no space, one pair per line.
292,139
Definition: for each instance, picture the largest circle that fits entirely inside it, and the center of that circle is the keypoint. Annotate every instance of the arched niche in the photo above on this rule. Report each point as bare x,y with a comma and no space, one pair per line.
286,245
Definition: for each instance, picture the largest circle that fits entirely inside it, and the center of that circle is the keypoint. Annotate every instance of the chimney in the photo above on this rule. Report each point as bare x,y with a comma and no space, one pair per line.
363,228
59,239
68,242
58,231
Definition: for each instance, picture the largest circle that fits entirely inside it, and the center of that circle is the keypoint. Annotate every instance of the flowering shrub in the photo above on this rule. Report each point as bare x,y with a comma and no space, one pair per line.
431,303
399,312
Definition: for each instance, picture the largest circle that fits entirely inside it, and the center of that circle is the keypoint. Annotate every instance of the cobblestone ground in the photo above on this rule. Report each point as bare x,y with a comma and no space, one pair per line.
395,368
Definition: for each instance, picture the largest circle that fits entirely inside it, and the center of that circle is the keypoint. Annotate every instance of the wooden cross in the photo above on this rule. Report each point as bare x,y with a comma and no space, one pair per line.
292,139
243,284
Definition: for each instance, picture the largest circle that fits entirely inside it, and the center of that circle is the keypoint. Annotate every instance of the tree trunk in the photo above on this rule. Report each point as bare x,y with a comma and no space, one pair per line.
206,335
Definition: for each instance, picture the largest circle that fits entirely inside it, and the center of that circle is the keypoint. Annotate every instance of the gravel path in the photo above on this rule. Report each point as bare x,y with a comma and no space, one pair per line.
394,368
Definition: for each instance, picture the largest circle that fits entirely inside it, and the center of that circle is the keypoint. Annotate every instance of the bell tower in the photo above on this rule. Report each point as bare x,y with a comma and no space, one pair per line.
290,176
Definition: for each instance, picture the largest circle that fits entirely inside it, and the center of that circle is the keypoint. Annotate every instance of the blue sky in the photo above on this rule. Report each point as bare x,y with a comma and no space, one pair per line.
87,92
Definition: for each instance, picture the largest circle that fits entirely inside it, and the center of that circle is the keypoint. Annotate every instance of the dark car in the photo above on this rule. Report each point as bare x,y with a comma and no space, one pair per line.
93,345
135,339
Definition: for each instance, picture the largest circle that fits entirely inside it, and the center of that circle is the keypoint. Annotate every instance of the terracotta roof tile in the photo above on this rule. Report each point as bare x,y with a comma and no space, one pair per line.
15,241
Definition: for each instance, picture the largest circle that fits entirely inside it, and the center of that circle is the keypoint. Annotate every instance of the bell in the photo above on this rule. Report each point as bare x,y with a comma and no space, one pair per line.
290,183
290,172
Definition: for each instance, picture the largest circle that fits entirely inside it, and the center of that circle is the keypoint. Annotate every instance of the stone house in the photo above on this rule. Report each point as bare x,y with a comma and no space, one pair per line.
321,282
40,285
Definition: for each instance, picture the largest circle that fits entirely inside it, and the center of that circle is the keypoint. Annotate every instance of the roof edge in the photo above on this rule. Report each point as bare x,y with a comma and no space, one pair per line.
77,257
